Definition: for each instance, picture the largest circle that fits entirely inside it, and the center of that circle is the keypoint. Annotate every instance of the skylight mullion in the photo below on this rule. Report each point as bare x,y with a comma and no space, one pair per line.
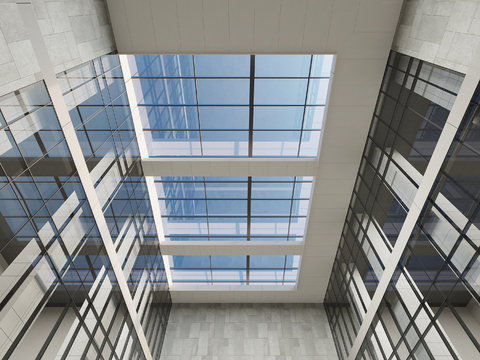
249,206
249,202
166,91
248,269
211,268
251,108
291,205
198,110
305,108
206,207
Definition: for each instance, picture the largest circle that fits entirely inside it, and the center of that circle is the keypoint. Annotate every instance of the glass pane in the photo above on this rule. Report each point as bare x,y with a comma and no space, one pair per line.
278,118
222,65
164,91
313,118
223,92
317,91
227,207
235,276
282,65
224,117
226,190
322,65
161,65
275,143
180,190
267,190
173,143
227,226
19,103
267,261
310,143
190,262
280,92
169,117
183,207
225,143
184,226
269,226
302,190
229,262
271,207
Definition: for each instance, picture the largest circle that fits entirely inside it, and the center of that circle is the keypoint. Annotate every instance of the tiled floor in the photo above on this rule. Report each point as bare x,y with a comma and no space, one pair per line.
248,332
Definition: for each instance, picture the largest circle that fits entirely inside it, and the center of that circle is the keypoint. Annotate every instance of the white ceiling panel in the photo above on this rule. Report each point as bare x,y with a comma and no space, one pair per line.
359,32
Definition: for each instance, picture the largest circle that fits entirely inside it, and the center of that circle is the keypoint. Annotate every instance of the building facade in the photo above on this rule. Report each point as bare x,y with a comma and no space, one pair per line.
63,297
134,186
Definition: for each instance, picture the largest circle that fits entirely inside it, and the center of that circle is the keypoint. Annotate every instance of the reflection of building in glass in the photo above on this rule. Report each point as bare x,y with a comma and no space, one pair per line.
231,105
430,307
61,296
90,265
149,202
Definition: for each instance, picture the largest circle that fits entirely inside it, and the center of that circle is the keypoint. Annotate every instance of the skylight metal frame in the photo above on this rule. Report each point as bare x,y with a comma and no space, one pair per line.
251,113
232,160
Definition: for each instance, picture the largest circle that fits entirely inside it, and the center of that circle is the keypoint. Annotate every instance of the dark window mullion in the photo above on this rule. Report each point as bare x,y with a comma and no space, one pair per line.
198,109
305,107
249,219
252,99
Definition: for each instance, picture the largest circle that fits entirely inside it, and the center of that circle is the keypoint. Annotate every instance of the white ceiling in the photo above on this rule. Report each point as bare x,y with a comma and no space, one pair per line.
359,32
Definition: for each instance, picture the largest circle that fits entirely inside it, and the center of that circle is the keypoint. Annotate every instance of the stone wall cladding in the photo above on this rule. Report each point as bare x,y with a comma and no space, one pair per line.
446,33
75,31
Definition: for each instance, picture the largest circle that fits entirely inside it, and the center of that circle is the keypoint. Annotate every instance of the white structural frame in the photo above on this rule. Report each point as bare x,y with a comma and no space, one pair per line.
53,86
152,191
186,166
470,83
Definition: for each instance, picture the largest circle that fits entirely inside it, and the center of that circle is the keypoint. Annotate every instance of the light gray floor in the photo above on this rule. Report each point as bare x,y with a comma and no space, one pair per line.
248,332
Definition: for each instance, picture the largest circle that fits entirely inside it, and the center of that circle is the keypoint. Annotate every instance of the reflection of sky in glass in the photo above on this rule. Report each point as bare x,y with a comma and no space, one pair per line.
219,208
234,269
221,105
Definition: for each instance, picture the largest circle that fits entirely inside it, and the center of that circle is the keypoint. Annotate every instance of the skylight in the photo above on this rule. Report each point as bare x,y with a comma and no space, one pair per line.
238,228
235,270
234,208
231,105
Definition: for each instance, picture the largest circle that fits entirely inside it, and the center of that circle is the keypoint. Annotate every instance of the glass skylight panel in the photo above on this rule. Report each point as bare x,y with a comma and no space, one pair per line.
234,269
234,208
231,105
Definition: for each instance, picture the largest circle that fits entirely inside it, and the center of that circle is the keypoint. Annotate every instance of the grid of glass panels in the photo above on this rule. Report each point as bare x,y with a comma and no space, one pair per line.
234,269
413,105
231,105
96,97
59,296
234,208
432,306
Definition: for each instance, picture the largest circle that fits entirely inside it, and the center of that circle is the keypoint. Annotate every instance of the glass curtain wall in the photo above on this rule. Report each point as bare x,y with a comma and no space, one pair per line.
59,296
413,105
96,97
431,309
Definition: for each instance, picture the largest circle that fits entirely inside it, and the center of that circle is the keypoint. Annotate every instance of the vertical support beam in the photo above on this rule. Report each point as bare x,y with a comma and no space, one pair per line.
251,102
459,108
249,222
33,30
142,145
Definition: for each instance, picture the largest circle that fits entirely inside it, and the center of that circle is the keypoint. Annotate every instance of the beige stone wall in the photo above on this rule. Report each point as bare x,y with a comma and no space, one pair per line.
75,31
446,33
